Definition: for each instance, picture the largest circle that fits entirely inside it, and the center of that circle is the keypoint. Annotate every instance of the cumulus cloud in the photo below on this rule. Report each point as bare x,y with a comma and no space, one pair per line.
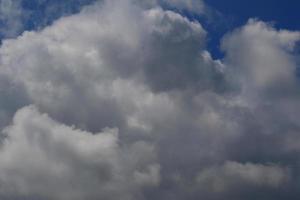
43,158
80,60
127,103
263,56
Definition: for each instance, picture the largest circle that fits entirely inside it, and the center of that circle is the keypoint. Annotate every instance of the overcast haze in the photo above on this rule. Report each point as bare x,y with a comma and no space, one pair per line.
146,100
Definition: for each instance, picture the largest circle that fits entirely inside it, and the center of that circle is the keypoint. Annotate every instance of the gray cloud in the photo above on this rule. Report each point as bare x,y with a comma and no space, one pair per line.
233,174
44,158
258,53
193,6
136,108
72,65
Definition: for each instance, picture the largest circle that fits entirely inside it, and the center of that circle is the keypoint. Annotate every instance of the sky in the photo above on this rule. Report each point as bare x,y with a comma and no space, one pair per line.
149,100
283,13
235,13
224,16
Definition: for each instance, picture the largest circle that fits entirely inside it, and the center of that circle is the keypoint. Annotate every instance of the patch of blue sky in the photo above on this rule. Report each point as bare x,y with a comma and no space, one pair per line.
235,13
44,12
35,14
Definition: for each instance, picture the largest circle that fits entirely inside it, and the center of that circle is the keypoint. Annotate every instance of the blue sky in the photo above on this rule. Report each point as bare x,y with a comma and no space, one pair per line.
235,13
285,13
34,14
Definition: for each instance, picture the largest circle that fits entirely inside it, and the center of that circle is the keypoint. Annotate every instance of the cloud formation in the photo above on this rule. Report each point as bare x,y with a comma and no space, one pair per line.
123,101
42,158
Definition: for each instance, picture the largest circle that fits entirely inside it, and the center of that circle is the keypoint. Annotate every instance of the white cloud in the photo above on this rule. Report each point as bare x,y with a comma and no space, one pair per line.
262,57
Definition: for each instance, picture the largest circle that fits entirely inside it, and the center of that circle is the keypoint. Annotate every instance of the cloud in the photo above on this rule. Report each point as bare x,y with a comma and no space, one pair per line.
263,56
123,101
17,16
233,174
43,158
196,6
76,62
192,6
